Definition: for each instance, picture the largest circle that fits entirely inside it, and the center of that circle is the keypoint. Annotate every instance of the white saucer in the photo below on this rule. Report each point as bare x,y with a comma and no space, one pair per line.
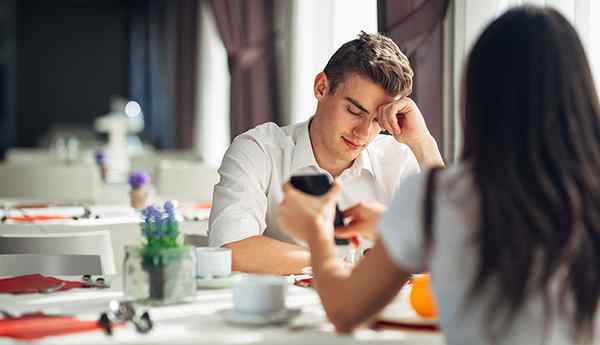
235,317
215,283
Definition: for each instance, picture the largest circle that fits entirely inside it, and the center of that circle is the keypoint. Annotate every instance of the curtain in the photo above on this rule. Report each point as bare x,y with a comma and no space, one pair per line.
162,66
185,71
248,33
415,25
8,78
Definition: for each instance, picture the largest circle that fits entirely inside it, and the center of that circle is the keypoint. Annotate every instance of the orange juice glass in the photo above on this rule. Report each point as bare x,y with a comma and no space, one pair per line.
421,296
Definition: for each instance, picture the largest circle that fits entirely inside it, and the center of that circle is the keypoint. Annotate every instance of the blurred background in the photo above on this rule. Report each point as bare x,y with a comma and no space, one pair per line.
180,78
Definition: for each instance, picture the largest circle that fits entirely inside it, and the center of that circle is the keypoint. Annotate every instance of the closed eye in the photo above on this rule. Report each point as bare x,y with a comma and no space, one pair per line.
354,111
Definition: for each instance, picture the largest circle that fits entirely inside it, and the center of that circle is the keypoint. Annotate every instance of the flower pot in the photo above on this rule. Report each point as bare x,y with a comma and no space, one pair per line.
138,197
160,277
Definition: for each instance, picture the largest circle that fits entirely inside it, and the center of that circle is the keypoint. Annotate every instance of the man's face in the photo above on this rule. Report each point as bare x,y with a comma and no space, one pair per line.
346,119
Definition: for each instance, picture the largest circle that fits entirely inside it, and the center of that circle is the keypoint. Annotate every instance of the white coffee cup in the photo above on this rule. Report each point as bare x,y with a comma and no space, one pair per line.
259,294
213,262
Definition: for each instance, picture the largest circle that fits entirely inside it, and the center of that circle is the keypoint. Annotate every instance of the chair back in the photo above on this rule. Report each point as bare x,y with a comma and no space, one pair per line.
186,181
54,182
96,243
19,264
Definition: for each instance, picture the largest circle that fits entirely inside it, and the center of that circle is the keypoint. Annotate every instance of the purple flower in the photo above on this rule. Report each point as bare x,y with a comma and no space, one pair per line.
138,179
170,209
151,212
100,158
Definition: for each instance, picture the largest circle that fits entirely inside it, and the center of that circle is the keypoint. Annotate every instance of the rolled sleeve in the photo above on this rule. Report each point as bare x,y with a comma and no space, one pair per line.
239,199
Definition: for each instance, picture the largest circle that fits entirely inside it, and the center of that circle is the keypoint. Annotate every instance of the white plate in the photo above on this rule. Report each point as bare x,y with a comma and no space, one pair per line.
231,316
400,312
215,283
408,319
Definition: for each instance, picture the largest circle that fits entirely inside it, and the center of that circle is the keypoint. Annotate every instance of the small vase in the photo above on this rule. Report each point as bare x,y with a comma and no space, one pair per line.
138,197
103,172
162,277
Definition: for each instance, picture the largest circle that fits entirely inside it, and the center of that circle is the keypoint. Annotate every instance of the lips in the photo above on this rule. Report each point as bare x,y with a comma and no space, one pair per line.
351,144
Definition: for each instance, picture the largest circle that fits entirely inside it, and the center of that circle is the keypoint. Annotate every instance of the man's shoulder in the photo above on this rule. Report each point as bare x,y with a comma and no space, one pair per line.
387,148
268,134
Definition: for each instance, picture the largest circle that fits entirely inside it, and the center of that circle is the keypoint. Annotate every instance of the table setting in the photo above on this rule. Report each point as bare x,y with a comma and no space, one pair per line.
168,291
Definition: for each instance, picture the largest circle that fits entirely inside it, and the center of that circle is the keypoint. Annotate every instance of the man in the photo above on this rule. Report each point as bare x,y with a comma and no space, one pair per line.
361,92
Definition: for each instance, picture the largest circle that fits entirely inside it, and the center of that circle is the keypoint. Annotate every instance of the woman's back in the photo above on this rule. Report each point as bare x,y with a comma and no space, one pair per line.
453,261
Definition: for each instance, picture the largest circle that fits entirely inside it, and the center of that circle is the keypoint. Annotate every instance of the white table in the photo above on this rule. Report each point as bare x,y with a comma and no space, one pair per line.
122,222
199,322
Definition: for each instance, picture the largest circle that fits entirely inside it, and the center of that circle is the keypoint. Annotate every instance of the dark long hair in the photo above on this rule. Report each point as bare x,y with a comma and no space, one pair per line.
532,135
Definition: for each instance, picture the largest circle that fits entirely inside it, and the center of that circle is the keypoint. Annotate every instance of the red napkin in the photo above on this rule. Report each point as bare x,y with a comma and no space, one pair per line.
37,218
31,283
38,325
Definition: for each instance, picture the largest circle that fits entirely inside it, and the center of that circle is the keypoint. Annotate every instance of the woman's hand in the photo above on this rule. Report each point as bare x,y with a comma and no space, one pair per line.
302,215
364,219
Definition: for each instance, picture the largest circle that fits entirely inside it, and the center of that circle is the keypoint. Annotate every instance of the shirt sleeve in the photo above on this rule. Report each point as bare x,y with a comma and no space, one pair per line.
239,200
401,227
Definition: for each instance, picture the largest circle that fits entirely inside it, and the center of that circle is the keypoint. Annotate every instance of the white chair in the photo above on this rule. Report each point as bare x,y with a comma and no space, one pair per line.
25,155
186,181
195,240
55,182
97,243
18,264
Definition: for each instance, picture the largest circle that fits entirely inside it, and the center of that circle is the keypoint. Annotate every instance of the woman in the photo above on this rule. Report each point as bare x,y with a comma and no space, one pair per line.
511,234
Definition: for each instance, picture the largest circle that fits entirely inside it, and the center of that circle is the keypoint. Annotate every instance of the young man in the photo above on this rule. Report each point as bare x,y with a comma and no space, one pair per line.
362,91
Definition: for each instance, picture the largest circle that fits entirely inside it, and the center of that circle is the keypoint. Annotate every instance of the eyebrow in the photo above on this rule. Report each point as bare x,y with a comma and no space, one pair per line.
356,104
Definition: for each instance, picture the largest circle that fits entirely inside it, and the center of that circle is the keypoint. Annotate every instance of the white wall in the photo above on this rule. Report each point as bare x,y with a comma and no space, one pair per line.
318,29
212,135
469,17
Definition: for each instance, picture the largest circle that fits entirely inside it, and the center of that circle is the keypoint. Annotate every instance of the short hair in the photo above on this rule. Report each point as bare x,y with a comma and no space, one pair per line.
376,57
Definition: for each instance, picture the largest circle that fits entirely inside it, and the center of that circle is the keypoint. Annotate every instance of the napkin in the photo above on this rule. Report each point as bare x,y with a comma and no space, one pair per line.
31,283
39,325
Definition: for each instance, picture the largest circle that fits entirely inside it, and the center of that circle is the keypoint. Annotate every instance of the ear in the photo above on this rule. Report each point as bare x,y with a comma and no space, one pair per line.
321,87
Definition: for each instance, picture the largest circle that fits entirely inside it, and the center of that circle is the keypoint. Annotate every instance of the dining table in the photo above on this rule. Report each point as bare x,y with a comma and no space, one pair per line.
121,221
199,320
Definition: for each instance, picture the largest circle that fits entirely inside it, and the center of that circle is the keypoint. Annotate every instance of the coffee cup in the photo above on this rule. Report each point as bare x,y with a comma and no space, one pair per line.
213,262
259,294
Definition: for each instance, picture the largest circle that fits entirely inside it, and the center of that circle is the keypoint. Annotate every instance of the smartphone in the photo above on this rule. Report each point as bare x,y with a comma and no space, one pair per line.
319,184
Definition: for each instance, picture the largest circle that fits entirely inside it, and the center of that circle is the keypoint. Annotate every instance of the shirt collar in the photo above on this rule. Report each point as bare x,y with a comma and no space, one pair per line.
304,155
303,152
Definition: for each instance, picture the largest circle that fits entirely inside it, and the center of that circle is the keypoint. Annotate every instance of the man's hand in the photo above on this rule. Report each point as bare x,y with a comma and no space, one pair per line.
364,219
403,119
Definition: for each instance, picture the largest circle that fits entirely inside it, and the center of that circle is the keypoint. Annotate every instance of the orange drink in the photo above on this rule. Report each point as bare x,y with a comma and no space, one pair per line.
421,296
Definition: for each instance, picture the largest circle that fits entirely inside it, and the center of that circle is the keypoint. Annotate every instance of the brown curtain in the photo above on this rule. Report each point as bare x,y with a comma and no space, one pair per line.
186,24
415,25
248,31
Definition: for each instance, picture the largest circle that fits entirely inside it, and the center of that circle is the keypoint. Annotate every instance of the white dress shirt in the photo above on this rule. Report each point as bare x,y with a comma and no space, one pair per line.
260,161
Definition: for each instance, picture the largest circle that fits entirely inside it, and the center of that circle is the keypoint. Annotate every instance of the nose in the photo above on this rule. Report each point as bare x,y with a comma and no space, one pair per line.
363,130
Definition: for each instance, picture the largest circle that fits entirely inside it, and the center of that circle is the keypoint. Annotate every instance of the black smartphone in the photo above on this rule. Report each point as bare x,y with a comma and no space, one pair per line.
319,184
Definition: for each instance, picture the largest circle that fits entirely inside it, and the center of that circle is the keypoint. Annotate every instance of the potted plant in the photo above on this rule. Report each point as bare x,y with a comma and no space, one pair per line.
138,181
169,264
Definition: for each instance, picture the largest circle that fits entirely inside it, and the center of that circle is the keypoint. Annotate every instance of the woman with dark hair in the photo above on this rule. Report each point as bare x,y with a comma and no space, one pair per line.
510,234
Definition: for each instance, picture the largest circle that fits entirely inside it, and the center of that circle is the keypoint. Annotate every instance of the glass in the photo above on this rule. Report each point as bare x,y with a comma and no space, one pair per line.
164,277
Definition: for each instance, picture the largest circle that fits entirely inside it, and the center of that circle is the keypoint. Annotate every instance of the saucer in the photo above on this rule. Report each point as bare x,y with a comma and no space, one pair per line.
236,317
215,283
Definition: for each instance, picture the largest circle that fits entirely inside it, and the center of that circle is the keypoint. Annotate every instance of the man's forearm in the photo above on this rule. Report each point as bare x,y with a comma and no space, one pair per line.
261,254
427,153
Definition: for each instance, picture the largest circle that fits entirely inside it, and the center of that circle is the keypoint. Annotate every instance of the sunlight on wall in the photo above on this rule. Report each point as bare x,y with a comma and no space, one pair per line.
319,28
212,119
